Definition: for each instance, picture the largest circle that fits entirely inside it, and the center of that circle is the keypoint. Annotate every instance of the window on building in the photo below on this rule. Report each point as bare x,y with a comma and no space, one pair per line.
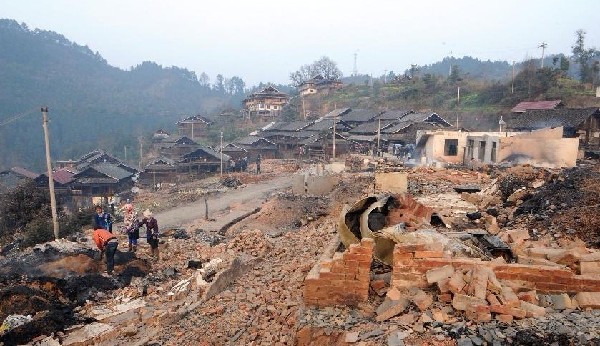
451,147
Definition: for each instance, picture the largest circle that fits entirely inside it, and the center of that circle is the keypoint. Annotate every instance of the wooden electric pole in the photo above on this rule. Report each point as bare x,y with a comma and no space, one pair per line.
221,153
49,167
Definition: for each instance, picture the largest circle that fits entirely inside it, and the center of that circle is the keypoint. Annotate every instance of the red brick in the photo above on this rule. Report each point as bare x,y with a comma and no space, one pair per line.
429,254
464,302
492,299
508,319
409,247
390,308
529,297
443,285
403,255
456,282
422,300
445,298
508,297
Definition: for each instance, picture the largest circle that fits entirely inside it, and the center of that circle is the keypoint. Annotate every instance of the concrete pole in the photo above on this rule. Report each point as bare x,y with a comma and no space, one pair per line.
378,133
50,178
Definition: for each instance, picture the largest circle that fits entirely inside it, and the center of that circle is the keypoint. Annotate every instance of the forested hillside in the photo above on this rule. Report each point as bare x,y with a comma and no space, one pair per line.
92,104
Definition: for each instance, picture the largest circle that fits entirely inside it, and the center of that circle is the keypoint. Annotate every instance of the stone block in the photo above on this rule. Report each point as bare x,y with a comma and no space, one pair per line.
592,268
390,308
561,301
588,300
438,274
393,294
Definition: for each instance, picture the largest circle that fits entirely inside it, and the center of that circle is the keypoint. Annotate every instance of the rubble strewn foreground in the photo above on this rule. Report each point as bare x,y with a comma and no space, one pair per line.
515,263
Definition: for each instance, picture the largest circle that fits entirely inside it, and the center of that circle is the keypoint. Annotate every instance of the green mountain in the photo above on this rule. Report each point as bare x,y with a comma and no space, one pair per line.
91,103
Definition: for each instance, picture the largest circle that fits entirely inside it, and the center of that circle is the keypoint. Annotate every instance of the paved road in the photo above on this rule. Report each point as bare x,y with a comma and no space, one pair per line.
195,210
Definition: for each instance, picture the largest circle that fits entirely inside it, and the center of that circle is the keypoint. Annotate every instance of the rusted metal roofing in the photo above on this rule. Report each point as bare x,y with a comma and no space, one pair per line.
535,105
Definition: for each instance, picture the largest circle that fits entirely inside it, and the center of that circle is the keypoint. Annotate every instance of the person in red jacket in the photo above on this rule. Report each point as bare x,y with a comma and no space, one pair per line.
107,243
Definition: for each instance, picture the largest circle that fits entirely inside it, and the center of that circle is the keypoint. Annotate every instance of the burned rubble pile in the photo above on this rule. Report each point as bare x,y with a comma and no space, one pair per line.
44,288
555,202
451,284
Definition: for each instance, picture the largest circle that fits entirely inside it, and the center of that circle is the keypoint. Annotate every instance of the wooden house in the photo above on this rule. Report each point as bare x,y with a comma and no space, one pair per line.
254,145
319,85
100,180
203,160
158,171
175,147
267,103
193,127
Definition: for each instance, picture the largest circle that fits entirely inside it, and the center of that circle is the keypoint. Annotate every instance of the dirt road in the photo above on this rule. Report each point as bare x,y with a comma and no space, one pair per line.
192,211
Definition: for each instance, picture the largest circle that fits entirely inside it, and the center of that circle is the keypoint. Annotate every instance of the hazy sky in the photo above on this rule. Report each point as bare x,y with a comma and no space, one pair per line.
266,40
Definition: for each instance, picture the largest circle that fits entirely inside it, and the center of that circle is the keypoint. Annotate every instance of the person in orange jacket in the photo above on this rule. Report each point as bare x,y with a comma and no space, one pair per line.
106,242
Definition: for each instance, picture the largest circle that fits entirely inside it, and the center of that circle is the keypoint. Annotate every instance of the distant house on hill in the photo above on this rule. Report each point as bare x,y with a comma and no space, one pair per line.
319,85
12,178
160,135
536,105
193,127
268,102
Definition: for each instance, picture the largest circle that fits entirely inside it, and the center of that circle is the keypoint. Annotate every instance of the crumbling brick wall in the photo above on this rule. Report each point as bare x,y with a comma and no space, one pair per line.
412,261
342,279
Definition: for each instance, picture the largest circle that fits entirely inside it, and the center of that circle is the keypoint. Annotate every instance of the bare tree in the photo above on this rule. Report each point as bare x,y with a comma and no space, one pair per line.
325,67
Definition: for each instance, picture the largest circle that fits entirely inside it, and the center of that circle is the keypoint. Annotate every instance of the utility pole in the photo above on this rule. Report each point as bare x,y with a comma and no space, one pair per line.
355,69
221,153
333,150
125,149
544,45
385,76
378,133
50,177
458,96
512,85
141,151
303,109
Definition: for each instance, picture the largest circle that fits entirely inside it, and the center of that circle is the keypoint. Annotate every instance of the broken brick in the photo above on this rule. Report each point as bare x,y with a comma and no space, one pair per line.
590,268
422,300
438,274
508,297
456,282
390,308
443,285
508,319
464,302
529,297
532,310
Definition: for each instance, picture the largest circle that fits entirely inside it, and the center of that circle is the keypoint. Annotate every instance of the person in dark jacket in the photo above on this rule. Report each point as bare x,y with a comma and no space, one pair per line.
102,220
151,233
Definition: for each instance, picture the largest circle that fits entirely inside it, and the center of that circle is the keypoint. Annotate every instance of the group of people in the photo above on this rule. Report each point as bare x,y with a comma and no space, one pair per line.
242,164
107,242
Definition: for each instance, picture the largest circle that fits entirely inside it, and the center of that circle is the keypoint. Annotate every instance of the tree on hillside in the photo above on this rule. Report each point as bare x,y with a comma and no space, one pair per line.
204,79
219,85
325,67
583,56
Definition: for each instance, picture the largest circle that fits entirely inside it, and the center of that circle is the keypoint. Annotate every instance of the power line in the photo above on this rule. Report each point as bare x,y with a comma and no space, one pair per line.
17,117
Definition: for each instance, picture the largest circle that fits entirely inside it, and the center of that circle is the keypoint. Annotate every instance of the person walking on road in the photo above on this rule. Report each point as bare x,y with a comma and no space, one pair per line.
107,244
